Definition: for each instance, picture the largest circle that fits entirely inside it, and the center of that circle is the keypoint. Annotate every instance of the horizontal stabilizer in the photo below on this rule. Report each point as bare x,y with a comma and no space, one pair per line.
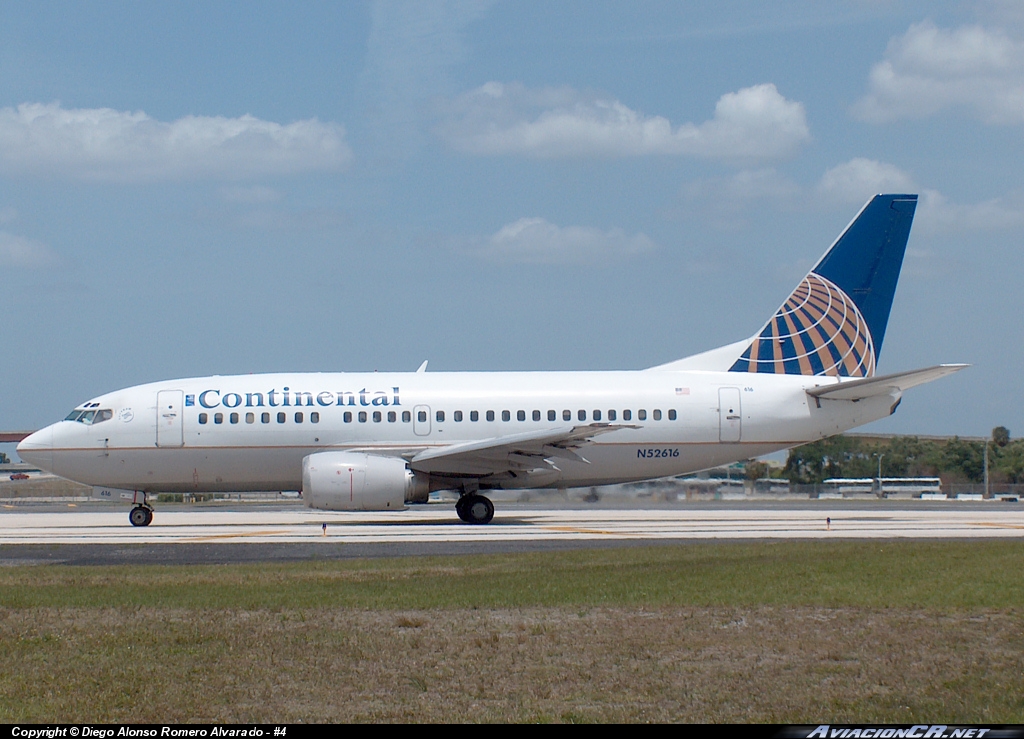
872,386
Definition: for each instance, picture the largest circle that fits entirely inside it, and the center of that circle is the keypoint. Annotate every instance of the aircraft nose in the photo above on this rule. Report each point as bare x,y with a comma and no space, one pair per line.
37,448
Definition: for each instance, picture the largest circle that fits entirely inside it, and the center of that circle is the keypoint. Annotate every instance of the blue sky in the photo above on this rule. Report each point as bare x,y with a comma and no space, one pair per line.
217,188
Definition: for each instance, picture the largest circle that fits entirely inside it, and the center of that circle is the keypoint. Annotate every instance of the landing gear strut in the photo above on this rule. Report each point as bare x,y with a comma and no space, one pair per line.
141,515
475,508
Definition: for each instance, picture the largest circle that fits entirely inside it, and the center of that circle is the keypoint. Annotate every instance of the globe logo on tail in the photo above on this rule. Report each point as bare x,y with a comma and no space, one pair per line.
818,331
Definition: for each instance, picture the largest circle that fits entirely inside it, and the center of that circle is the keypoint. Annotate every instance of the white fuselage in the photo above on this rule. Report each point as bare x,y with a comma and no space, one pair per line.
251,432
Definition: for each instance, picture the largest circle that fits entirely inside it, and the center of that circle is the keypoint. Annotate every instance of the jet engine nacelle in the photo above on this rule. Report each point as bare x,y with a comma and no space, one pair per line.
347,481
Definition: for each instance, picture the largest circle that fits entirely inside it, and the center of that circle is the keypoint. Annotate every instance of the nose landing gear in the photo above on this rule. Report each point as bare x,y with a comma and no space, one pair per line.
141,516
142,513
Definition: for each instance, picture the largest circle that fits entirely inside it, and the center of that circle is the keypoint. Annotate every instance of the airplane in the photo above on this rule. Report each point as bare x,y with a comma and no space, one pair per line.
378,441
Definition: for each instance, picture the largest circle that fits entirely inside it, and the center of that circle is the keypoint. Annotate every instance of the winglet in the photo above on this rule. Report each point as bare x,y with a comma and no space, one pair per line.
423,367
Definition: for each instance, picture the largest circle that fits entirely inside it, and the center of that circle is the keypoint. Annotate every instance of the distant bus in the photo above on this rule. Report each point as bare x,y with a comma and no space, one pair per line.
912,485
849,485
886,485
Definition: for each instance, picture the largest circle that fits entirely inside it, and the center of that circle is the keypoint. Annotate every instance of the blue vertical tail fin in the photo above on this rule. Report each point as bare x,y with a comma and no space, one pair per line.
834,321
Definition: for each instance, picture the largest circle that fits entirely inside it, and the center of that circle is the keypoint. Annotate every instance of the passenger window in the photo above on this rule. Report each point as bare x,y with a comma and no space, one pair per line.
672,414
641,415
627,415
506,416
376,417
536,415
421,416
298,417
406,416
611,415
392,416
657,415
233,418
440,416
202,418
280,417
362,416
314,417
265,418
474,416
348,417
552,415
582,415
597,415
521,415
250,418
457,415
490,415
566,415
218,418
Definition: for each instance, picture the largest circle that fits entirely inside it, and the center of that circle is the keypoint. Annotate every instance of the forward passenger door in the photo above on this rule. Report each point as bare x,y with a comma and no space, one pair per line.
169,430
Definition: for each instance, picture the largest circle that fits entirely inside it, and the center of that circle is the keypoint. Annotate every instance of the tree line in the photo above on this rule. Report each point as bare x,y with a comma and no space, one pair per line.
955,460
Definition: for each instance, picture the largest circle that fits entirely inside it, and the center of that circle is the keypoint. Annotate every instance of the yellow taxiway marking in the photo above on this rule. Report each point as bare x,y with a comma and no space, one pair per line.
578,530
236,536
997,525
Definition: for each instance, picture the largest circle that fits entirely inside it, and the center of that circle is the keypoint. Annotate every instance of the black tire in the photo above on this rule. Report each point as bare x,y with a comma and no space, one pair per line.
460,508
478,509
140,516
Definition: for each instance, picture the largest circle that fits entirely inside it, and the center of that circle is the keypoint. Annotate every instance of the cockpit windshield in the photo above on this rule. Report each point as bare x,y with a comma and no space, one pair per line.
89,416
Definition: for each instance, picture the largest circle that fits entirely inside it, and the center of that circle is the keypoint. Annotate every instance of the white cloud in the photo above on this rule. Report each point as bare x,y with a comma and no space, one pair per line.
930,68
500,119
728,202
937,214
536,241
110,145
17,251
739,189
858,179
409,51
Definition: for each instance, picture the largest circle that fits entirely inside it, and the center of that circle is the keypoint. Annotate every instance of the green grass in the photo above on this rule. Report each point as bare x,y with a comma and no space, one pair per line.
964,574
787,632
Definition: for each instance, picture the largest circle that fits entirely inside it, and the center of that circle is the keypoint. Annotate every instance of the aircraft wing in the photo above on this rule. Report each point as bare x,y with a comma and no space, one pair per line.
525,451
869,387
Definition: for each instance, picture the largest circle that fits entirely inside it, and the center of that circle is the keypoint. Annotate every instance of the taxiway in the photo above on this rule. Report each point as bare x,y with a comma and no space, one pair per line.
181,534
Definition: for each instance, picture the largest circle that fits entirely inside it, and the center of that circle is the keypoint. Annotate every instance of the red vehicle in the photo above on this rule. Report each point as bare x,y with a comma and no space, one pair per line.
19,476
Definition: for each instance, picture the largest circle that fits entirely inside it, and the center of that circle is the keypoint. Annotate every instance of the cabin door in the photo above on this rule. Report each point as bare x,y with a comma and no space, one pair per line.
730,420
169,431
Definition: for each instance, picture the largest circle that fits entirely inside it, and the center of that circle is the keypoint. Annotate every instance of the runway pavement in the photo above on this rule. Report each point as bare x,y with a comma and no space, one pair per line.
256,533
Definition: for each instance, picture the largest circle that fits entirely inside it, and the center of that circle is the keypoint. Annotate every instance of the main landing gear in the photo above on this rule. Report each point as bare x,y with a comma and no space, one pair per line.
474,508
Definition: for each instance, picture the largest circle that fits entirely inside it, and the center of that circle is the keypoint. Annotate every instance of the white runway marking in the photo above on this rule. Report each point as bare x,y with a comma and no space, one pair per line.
439,524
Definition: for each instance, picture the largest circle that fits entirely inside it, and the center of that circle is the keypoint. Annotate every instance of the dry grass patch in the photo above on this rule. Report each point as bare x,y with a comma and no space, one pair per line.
789,632
767,664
